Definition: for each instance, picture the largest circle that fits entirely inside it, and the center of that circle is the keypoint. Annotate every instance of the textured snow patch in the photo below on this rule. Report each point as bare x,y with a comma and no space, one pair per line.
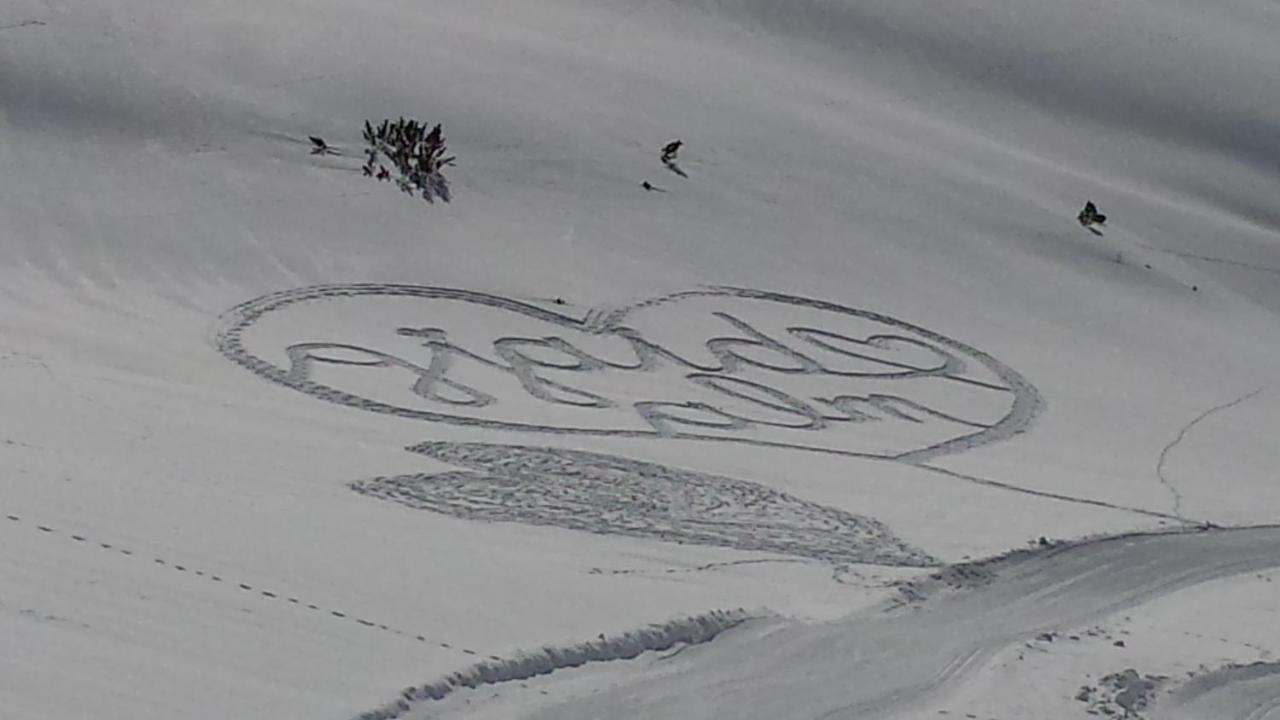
681,631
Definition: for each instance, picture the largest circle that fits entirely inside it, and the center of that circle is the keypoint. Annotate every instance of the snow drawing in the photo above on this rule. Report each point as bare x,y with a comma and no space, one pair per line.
764,369
607,494
760,369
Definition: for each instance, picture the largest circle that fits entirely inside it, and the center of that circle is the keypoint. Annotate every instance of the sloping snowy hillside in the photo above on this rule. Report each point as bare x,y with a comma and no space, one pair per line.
279,440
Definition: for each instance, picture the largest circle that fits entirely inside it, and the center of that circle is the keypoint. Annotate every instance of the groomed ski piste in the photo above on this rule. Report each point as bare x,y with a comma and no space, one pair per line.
841,407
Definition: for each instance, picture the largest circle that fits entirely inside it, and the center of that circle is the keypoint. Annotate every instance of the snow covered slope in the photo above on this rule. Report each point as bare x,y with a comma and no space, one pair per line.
279,440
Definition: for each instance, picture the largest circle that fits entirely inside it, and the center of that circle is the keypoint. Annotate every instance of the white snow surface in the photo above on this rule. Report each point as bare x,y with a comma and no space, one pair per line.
279,441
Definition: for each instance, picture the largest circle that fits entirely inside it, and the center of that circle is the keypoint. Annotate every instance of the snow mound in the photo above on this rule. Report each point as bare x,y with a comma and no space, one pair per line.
692,630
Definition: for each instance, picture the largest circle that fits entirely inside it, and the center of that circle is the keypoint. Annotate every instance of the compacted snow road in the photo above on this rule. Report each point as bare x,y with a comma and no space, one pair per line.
881,663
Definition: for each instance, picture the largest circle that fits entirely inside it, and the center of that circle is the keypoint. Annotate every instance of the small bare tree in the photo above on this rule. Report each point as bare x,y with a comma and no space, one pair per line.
416,154
1089,217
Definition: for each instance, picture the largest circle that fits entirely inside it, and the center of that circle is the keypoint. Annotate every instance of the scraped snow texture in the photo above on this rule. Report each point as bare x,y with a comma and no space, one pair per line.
280,441
626,646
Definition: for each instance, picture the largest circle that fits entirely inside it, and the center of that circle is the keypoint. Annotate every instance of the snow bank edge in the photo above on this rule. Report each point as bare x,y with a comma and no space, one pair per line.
692,630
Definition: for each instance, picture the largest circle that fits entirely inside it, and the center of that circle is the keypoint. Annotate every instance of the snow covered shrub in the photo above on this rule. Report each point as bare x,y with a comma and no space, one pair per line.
415,154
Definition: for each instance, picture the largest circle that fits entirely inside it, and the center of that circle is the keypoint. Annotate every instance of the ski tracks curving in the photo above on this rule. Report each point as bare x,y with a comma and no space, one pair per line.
1182,434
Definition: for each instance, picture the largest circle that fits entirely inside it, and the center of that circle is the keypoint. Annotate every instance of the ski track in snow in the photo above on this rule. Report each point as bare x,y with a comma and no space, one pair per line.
25,23
235,584
1212,259
1045,494
1182,434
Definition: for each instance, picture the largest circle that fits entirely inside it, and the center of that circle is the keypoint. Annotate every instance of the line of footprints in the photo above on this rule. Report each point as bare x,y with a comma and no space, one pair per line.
244,587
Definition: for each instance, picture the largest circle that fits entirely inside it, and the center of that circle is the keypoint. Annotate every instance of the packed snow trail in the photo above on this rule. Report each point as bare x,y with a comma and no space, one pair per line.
879,664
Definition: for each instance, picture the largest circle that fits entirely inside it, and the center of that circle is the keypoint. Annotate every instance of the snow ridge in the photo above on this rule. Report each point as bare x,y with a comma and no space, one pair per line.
691,630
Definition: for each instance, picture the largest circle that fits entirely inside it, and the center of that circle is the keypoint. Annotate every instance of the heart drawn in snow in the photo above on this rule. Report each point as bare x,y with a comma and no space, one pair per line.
717,365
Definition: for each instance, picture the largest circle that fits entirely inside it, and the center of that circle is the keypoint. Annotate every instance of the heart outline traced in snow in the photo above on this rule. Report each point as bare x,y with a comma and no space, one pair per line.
433,382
